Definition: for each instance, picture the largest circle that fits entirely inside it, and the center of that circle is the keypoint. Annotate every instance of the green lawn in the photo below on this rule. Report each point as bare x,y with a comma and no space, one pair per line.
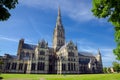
60,77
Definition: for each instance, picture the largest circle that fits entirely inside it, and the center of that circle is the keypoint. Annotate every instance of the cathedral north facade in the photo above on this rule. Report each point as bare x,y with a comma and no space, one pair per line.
61,58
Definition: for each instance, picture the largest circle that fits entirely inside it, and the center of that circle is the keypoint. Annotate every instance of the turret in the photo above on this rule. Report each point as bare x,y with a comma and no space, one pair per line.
21,43
43,44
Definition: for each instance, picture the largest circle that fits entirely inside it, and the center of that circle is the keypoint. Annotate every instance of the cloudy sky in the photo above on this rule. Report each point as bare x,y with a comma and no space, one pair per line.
34,20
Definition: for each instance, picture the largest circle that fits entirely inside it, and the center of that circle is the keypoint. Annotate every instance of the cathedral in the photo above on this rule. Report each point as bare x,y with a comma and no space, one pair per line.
61,58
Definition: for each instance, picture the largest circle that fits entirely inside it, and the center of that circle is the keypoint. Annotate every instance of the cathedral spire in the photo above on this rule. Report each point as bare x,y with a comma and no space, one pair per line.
59,22
59,33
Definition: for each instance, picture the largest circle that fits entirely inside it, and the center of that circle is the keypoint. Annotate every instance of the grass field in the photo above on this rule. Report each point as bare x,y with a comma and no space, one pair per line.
60,77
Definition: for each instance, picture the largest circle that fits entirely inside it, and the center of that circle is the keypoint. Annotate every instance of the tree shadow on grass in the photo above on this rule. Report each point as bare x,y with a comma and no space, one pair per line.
1,78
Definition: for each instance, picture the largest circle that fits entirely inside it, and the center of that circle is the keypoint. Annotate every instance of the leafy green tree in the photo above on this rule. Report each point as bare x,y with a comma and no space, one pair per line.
105,70
5,6
109,9
108,70
116,66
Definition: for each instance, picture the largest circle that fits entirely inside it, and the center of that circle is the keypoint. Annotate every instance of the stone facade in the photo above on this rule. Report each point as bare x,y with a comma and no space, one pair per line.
62,58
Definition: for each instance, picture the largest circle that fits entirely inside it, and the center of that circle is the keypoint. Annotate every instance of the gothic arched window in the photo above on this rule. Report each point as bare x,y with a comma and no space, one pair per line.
22,54
59,42
33,66
72,67
42,53
70,54
43,45
27,54
40,66
71,47
33,55
63,67
8,66
14,66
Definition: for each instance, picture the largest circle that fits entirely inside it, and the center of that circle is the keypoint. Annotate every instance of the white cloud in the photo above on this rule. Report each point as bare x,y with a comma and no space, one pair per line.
13,39
8,39
77,10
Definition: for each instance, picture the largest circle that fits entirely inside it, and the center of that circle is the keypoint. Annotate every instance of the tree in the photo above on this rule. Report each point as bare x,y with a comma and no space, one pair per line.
108,70
116,66
109,9
5,6
105,70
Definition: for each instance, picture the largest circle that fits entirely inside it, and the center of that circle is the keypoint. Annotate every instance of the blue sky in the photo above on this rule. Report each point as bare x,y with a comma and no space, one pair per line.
35,20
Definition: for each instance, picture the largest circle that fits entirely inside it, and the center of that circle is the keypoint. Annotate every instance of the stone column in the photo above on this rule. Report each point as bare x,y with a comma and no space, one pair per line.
36,71
29,67
60,68
17,67
46,64
23,67
67,67
10,66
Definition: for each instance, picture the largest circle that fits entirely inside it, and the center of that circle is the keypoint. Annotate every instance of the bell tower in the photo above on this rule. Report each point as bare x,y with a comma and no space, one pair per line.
59,33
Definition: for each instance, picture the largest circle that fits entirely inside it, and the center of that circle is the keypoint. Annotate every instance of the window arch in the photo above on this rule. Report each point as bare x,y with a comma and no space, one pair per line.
42,52
71,47
27,54
70,54
41,66
42,45
58,42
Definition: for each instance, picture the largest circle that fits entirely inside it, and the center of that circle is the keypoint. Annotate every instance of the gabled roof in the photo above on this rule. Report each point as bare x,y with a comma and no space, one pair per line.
29,46
86,61
13,56
85,54
66,44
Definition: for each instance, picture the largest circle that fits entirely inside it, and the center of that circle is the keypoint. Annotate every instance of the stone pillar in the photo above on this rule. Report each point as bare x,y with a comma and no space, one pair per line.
36,71
60,67
66,67
77,65
17,67
23,67
10,66
46,64
29,67
73,67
